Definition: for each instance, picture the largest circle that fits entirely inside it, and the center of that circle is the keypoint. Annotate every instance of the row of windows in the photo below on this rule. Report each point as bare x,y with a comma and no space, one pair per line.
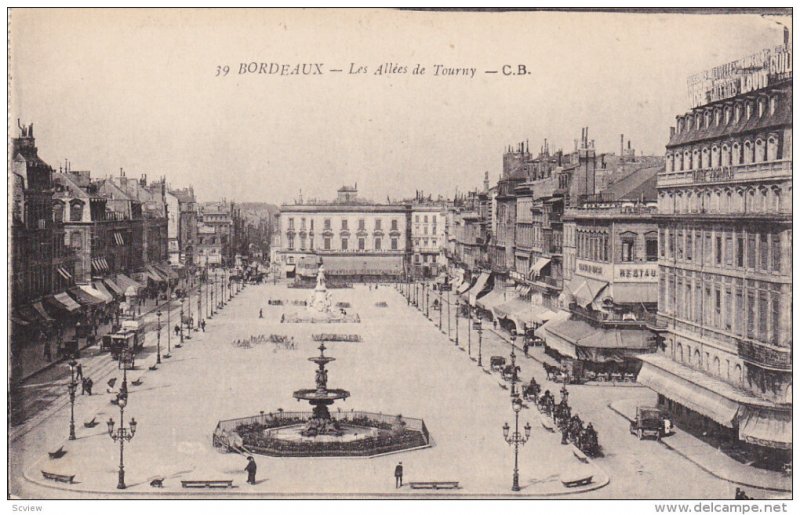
731,249
425,229
344,224
729,113
326,244
754,199
424,219
758,150
738,308
596,246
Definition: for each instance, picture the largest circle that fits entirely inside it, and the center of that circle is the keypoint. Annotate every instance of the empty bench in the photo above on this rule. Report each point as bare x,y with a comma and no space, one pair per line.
576,478
433,485
579,454
61,478
214,483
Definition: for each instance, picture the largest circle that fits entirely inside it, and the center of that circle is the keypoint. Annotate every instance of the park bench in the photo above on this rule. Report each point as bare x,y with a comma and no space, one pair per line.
90,423
433,485
57,454
573,479
547,424
61,478
214,483
579,454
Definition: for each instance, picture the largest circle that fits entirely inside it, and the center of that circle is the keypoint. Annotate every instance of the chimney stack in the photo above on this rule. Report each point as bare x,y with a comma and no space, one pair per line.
621,143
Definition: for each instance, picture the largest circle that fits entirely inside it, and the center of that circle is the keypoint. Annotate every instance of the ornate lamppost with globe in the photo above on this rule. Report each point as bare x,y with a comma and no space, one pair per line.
158,337
516,439
440,308
458,306
514,376
122,434
72,387
479,327
181,319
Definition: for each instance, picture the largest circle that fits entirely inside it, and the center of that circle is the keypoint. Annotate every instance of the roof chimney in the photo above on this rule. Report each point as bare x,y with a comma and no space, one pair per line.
621,143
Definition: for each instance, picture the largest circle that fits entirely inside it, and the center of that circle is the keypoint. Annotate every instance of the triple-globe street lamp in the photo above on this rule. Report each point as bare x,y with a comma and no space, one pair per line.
516,439
122,434
72,388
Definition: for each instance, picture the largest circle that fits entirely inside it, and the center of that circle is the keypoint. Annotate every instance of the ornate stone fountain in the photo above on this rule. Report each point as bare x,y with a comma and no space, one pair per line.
320,398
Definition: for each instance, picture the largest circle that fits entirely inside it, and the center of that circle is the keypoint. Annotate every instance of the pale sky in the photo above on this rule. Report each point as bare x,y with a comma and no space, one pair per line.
137,90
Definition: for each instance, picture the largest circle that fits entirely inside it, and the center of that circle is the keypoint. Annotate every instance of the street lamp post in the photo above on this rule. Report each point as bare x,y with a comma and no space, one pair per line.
457,308
469,330
212,278
181,319
199,304
169,324
440,308
122,434
71,388
188,314
479,327
514,377
516,439
448,314
158,337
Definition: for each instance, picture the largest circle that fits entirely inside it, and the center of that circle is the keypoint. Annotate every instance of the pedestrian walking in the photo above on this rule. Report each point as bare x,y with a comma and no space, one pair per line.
177,329
260,313
78,372
86,386
525,348
398,475
251,470
203,325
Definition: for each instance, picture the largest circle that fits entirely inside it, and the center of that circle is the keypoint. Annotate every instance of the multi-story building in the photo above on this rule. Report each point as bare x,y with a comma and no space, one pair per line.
725,257
356,240
428,239
215,235
613,290
182,225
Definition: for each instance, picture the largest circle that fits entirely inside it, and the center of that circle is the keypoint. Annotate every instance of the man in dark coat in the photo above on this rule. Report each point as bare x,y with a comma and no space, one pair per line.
251,470
398,475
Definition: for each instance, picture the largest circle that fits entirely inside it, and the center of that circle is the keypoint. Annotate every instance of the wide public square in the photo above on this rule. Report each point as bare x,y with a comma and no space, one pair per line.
403,365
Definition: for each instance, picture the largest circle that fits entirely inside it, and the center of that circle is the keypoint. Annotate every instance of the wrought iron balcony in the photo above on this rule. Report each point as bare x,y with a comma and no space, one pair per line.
765,355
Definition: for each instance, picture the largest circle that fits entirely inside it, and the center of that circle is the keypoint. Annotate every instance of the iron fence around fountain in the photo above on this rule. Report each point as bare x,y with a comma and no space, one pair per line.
226,436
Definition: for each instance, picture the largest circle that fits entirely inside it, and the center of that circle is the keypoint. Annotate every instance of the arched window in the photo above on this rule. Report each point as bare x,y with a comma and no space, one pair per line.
695,159
691,205
715,156
58,211
668,162
76,240
727,115
75,211
725,157
717,366
737,374
706,158
772,148
680,352
751,207
748,152
776,200
698,359
759,151
715,201
687,160
736,154
764,201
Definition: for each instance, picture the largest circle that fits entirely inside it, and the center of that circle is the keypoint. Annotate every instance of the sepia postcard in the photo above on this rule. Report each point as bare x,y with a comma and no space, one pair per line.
386,254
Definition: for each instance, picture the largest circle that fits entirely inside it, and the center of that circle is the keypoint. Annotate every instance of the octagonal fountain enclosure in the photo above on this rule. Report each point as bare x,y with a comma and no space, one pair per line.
320,432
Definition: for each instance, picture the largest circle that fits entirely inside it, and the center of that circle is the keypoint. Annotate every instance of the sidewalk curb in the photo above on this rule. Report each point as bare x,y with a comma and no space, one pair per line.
714,473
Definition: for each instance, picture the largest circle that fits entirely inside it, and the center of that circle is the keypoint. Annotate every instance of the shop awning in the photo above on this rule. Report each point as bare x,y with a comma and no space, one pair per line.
766,427
516,304
101,287
464,286
634,293
634,339
536,268
363,265
125,282
478,288
585,290
96,293
156,274
63,302
114,287
84,298
541,314
494,298
166,270
41,313
290,268
692,395
118,239
565,335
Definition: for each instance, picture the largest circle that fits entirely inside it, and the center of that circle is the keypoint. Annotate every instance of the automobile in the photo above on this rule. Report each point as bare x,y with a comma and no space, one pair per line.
650,421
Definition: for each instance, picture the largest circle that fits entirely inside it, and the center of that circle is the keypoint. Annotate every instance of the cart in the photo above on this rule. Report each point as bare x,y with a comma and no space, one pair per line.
497,363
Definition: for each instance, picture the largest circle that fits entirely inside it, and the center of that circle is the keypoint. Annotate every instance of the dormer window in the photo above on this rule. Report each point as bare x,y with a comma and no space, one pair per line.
717,117
737,113
697,120
748,110
773,104
760,108
727,115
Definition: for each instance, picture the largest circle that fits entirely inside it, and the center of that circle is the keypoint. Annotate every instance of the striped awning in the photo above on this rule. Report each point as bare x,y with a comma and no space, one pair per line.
41,313
100,265
96,293
64,302
84,298
101,287
168,272
126,283
118,239
63,273
114,287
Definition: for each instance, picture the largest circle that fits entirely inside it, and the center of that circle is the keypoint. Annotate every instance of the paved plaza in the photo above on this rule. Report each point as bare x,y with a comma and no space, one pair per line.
403,365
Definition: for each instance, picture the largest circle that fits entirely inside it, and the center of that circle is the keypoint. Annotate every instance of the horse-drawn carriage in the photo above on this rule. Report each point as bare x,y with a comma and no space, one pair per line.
497,363
510,371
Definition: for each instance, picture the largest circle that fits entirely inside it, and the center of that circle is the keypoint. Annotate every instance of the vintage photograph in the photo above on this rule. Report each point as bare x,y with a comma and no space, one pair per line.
400,254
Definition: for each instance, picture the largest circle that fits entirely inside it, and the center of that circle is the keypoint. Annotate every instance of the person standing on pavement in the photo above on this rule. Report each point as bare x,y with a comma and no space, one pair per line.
398,475
203,325
251,470
78,372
